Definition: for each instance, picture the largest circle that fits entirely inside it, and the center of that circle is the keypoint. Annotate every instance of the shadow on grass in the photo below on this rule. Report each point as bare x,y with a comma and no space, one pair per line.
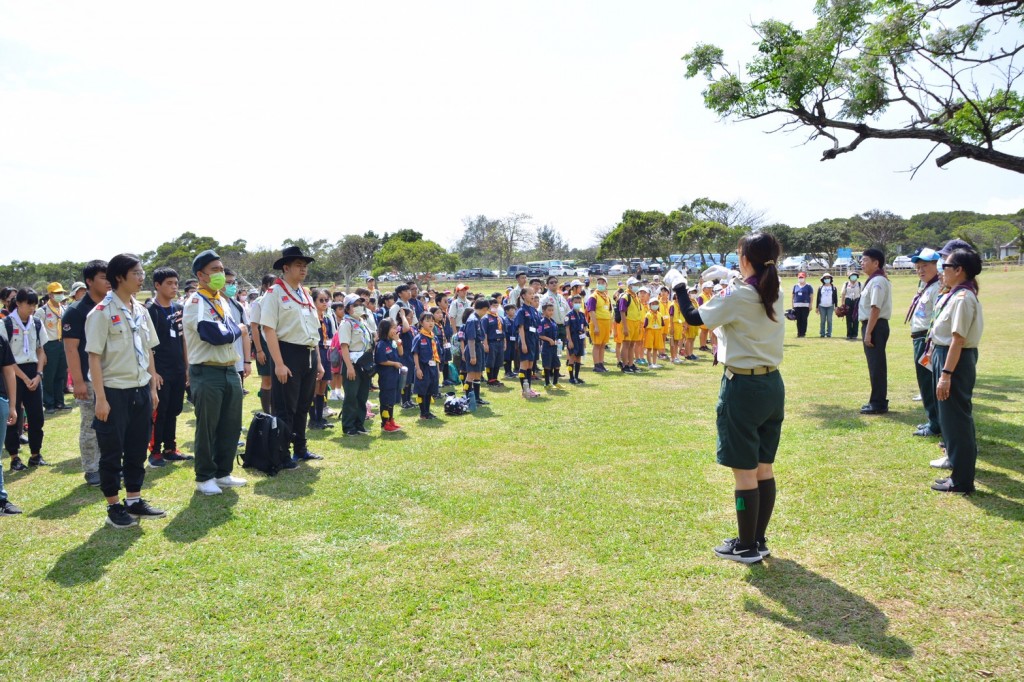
819,608
88,562
203,513
845,417
70,504
288,485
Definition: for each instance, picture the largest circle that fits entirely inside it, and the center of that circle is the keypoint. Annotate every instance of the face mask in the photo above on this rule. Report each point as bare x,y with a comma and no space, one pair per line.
655,306
217,281
577,307
802,280
494,311
231,290
602,287
853,278
58,297
827,281
634,289
358,310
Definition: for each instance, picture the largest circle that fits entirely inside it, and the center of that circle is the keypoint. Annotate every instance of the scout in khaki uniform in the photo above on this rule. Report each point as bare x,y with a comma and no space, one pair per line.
55,376
749,321
292,331
920,317
26,336
121,338
210,335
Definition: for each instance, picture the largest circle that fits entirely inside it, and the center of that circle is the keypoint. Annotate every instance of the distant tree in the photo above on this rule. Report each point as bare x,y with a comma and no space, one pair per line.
730,215
880,229
640,234
419,258
941,72
352,254
786,236
480,243
824,238
512,233
405,236
705,237
549,244
988,235
179,252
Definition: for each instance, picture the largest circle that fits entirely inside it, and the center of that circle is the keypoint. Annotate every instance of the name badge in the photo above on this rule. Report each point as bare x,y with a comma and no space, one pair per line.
174,334
432,364
583,335
222,327
533,330
447,346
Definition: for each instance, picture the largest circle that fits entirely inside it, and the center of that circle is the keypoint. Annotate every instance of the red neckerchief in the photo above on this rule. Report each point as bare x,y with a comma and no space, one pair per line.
287,289
913,304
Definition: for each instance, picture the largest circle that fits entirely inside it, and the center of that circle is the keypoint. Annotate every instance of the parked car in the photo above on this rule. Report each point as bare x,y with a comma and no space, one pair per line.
652,268
597,269
514,270
845,263
537,272
462,274
792,264
618,269
902,263
816,265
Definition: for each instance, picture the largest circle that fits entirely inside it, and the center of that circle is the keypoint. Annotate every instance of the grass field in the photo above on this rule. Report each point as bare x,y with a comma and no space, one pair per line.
568,537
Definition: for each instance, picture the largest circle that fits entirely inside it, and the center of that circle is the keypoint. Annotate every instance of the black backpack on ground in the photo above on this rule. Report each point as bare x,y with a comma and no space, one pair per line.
263,445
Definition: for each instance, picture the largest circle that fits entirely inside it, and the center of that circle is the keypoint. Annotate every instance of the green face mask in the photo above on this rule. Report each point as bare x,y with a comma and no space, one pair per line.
602,287
231,290
217,280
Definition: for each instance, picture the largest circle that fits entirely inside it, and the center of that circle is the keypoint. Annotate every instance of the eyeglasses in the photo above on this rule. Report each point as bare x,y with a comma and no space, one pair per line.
138,273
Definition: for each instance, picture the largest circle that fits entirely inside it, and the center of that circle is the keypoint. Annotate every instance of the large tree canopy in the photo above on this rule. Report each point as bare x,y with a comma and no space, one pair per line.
945,72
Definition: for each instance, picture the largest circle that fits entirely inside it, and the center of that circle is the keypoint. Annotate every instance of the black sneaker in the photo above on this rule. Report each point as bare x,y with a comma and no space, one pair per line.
175,456
481,401
17,464
307,456
362,431
142,510
92,478
572,381
156,460
732,550
118,516
290,464
762,548
8,509
353,433
580,381
37,461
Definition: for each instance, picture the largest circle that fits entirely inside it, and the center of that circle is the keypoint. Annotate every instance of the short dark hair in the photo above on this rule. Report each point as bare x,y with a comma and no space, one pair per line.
401,288
228,272
521,273
509,306
119,267
27,295
93,268
191,283
537,280
360,291
481,303
425,314
876,255
547,305
267,281
162,273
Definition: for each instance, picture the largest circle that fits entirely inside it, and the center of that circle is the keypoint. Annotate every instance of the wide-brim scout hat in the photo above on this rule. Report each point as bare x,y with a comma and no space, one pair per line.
290,254
826,276
55,288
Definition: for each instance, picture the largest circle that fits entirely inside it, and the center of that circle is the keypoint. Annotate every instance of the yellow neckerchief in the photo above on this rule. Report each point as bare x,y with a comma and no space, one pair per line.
655,316
213,299
433,345
497,319
59,315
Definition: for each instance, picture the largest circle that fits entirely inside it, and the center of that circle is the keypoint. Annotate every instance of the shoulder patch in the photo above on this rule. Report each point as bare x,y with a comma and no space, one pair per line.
99,306
194,299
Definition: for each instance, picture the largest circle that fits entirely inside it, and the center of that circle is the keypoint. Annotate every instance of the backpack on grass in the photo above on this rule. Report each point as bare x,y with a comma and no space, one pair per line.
263,445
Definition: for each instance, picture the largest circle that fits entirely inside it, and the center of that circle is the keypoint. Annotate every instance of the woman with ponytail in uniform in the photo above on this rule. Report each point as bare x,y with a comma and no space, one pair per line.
747,317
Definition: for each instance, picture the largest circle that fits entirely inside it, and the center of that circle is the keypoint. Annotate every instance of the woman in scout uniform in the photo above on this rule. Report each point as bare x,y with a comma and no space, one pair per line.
292,331
56,373
598,308
121,338
355,340
387,358
749,320
955,335
576,339
426,354
526,322
210,335
27,337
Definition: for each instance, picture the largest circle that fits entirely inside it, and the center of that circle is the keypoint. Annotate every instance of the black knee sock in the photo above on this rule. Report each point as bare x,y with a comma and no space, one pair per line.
476,389
424,402
579,366
318,407
547,376
508,367
747,504
555,373
765,507
265,400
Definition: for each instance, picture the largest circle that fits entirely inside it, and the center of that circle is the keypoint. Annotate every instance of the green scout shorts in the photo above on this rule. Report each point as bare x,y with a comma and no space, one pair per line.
750,414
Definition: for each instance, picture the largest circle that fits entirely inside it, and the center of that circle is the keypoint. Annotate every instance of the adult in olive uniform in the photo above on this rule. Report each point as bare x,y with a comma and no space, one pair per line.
55,375
210,335
292,331
874,313
920,317
748,319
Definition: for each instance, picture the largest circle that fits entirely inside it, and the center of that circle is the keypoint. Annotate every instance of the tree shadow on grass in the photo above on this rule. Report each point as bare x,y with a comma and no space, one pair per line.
288,485
203,513
88,562
818,607
70,504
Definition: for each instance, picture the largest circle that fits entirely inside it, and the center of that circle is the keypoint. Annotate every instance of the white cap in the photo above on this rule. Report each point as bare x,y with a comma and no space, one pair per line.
350,299
717,288
631,281
575,283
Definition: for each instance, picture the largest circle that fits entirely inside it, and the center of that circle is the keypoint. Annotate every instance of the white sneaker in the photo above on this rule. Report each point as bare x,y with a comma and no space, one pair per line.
209,487
230,481
941,463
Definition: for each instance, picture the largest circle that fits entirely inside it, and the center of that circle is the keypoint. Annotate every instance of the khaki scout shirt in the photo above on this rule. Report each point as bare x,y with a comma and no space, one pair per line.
17,340
198,308
877,293
290,313
124,337
747,337
960,314
52,320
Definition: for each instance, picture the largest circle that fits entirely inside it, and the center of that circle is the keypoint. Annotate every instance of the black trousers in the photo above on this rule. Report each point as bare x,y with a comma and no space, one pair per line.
32,403
956,414
801,320
165,421
122,439
292,399
878,368
851,316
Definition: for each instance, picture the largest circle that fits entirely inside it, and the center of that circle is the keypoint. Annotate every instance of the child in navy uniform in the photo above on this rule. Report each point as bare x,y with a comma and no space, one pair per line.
405,335
495,343
527,322
473,336
575,339
388,357
510,339
426,355
547,332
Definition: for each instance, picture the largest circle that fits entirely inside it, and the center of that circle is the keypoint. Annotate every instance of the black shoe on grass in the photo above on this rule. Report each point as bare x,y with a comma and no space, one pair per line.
17,464
732,550
118,517
8,509
143,510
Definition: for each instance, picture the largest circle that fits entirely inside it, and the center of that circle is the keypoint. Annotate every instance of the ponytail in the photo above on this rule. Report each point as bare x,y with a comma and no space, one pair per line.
763,251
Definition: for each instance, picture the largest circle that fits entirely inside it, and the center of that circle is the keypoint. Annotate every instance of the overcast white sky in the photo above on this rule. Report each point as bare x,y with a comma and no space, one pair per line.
123,124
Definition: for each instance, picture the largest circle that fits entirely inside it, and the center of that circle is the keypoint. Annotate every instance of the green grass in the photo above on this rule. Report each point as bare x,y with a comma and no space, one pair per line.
564,538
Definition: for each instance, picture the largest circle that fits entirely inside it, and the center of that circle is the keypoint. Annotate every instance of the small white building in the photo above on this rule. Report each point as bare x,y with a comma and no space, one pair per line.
1010,250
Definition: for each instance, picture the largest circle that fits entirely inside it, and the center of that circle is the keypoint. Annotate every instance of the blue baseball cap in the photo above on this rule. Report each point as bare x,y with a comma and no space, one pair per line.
926,255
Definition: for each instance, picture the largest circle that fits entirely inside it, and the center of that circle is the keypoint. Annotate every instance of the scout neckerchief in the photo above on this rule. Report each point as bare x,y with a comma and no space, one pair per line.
433,345
920,293
24,327
323,327
214,302
940,305
136,321
302,299
363,331
496,319
58,312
